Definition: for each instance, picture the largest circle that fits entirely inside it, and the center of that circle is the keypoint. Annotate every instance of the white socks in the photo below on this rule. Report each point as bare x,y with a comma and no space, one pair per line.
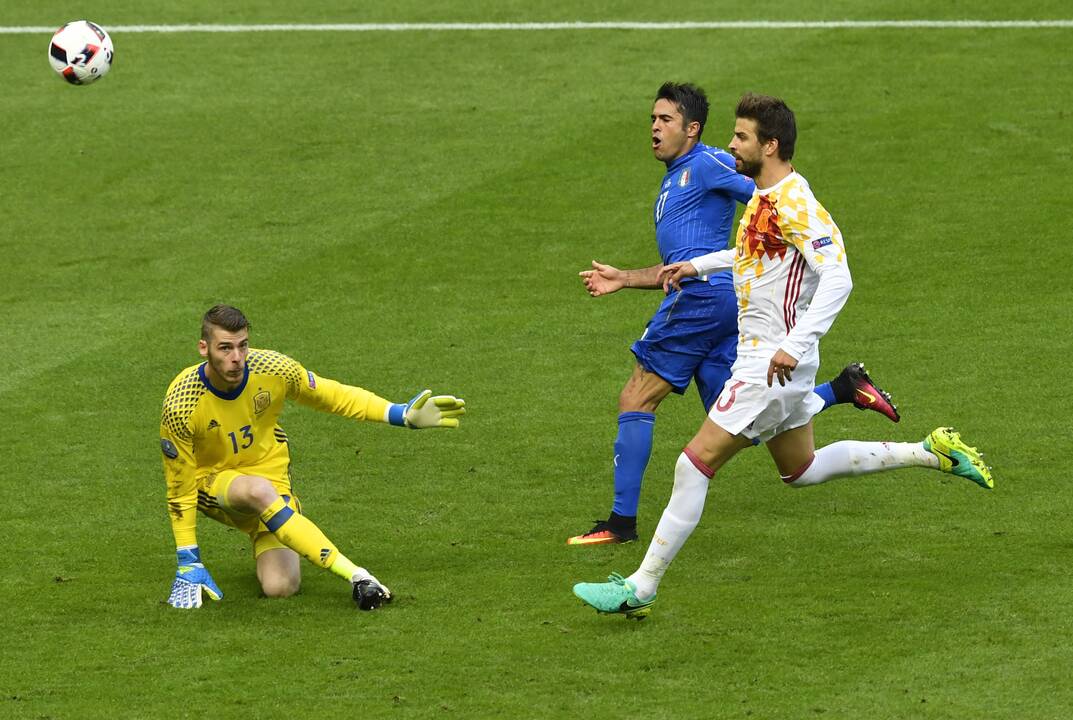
850,457
675,526
683,512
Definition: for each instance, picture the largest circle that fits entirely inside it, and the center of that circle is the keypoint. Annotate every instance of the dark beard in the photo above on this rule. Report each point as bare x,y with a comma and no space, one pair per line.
749,169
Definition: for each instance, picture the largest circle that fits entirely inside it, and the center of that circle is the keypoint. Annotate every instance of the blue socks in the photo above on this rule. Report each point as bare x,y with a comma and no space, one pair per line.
633,447
827,393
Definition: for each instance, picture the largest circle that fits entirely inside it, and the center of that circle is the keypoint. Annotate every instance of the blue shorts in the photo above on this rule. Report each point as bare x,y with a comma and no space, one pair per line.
693,335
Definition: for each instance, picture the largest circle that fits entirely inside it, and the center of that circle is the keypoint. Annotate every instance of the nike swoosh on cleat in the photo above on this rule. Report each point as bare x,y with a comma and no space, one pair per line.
868,396
625,606
953,460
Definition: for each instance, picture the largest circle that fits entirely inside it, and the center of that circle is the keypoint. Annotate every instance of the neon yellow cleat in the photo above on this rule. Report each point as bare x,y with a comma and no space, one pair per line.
958,458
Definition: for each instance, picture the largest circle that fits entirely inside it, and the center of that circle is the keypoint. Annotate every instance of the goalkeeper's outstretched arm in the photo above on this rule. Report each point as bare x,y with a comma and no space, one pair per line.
424,410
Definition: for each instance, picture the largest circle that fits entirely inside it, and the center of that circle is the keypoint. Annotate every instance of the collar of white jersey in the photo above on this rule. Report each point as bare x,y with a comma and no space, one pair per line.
780,183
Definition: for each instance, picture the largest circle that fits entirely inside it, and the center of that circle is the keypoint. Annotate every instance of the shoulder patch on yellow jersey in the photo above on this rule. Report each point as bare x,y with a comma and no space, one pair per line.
179,403
168,448
270,362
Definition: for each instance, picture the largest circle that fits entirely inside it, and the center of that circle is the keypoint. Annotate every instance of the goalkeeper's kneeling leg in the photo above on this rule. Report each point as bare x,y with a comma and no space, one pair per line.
279,572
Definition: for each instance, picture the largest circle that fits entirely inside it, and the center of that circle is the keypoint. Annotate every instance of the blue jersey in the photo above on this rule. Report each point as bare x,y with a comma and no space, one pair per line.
695,206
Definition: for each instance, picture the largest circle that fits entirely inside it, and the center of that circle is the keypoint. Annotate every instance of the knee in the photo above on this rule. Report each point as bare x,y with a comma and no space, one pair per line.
280,586
255,494
686,470
263,494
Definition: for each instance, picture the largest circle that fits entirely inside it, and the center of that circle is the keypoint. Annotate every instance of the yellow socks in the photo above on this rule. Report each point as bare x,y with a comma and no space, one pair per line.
300,534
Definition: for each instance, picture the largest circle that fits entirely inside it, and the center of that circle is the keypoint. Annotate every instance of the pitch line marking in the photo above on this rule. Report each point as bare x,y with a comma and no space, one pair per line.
609,25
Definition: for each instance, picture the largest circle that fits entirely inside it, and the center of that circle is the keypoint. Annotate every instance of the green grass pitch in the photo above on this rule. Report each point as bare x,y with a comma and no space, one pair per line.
402,210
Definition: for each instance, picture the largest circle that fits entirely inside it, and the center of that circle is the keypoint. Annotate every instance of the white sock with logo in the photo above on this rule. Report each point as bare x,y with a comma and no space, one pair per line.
850,457
679,519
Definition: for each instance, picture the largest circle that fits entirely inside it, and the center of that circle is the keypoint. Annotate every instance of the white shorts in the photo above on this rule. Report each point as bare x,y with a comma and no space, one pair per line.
759,412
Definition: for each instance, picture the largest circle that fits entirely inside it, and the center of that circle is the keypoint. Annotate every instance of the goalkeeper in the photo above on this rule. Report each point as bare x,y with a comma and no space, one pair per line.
226,456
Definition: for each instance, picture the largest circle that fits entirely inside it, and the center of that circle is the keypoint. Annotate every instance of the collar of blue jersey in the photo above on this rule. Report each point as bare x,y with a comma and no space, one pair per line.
220,393
699,147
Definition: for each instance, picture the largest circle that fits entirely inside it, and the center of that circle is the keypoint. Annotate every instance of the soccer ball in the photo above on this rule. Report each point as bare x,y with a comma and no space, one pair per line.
81,52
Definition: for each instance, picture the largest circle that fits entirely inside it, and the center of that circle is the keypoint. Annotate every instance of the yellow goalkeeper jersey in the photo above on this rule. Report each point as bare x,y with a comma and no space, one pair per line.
204,430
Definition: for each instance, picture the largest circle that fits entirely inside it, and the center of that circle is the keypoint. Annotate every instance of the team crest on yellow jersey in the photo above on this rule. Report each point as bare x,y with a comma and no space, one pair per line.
261,401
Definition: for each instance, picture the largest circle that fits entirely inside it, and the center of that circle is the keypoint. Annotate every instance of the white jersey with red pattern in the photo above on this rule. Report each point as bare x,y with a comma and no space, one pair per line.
790,274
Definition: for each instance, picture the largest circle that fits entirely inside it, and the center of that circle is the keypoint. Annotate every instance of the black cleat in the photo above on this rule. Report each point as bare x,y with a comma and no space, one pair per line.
605,533
369,595
854,384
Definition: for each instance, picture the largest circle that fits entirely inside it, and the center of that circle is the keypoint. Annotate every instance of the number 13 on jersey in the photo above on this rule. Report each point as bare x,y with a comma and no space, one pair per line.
246,437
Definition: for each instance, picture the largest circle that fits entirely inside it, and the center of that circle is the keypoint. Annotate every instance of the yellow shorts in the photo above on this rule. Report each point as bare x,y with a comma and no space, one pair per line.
212,499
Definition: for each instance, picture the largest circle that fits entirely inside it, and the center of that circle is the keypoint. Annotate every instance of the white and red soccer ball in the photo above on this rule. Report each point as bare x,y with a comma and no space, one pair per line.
81,52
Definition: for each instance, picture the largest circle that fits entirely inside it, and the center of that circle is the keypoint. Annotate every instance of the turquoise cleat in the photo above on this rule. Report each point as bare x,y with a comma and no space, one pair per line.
615,597
958,458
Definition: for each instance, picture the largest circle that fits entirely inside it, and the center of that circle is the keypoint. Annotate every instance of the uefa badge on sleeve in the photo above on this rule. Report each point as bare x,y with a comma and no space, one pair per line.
168,448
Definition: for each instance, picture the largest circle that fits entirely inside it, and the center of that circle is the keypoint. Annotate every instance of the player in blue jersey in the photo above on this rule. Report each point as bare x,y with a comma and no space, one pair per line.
694,333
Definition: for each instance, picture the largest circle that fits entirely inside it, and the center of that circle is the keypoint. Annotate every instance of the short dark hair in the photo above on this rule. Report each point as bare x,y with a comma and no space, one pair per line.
774,120
225,317
689,99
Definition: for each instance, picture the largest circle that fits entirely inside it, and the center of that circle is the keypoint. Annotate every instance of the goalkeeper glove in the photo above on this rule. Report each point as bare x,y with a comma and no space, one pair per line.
190,579
425,410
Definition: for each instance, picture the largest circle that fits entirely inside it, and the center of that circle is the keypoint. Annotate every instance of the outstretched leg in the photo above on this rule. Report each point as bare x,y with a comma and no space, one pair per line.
942,450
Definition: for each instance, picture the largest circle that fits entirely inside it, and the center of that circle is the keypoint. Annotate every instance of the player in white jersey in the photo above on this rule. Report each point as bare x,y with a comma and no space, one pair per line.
787,242
791,277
